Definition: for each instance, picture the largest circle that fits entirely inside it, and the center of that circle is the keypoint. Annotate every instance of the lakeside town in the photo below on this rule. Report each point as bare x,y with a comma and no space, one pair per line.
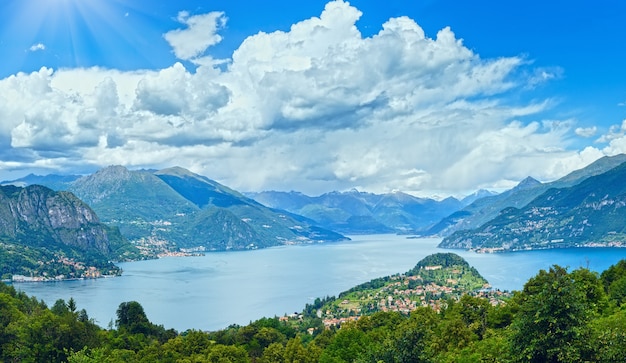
403,293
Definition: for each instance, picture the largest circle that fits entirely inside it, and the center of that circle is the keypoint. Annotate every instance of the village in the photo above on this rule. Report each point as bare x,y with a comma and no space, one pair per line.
404,293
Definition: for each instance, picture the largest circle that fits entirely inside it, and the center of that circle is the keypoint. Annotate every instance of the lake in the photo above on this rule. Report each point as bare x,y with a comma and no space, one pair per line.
213,291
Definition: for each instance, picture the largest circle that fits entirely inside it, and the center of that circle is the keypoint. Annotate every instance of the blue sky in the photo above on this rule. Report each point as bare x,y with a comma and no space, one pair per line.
429,97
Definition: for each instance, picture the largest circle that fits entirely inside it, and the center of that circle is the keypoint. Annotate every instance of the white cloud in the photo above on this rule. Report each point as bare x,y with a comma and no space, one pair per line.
586,131
200,34
37,47
544,75
615,140
175,91
615,132
315,108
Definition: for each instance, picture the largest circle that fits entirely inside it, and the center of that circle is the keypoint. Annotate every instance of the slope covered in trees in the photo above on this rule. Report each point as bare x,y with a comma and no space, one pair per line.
559,316
588,214
50,234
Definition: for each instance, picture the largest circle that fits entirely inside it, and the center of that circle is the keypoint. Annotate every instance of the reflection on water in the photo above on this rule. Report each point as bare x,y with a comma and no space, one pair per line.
213,291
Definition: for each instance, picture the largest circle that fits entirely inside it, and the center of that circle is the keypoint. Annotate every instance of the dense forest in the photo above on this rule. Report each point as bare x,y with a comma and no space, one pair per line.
559,316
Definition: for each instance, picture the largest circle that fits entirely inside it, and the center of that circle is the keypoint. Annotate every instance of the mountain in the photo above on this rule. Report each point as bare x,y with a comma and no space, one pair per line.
164,210
485,209
591,213
52,181
138,202
482,193
55,233
355,212
250,224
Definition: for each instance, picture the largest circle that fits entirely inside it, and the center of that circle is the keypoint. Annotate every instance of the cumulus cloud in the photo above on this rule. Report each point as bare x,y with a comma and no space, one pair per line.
614,132
614,140
315,108
175,91
200,33
324,74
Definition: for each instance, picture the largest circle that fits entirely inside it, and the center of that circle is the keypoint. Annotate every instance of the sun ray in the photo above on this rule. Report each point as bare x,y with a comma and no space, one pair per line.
113,25
78,33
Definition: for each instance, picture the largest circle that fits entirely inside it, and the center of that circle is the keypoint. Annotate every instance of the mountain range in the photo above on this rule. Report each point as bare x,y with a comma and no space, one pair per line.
485,209
355,212
590,213
174,208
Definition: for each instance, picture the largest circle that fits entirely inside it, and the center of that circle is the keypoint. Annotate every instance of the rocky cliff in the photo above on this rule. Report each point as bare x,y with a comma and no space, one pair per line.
50,228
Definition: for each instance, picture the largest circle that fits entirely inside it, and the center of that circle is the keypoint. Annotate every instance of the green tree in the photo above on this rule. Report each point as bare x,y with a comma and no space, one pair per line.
42,338
228,354
614,282
132,318
11,319
473,312
60,308
551,325
274,353
71,305
609,338
189,343
349,344
590,284
87,355
413,340
267,336
295,352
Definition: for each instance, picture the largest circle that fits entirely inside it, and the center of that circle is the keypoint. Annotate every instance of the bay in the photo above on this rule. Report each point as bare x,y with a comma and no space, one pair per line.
218,289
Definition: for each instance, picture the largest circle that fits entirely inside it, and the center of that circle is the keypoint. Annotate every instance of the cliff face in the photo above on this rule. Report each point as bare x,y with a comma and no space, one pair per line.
39,216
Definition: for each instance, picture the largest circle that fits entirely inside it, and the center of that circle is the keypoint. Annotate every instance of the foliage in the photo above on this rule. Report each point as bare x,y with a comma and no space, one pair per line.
432,281
47,234
552,323
559,316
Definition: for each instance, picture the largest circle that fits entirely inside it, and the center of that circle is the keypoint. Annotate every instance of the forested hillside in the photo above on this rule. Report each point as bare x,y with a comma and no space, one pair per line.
588,214
53,235
162,212
559,316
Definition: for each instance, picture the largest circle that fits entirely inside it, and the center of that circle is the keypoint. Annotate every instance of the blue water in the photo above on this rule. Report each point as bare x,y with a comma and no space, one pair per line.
213,291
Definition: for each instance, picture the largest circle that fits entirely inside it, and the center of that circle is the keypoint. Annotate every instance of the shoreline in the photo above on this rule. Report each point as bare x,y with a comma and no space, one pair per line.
502,250
38,279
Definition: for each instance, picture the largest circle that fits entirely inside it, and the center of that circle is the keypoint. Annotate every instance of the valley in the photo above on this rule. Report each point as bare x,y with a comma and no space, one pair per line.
476,320
121,214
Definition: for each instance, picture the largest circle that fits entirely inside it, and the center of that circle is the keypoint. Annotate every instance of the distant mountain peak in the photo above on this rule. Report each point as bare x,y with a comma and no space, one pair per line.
479,194
483,192
528,182
176,171
113,171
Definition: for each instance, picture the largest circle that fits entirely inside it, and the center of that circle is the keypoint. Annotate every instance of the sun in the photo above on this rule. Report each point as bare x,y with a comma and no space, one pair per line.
66,33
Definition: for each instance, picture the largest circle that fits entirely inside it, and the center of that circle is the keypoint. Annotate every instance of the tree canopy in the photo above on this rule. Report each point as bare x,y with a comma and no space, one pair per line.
559,316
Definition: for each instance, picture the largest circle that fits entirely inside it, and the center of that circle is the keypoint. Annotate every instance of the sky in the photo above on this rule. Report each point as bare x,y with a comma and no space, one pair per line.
428,97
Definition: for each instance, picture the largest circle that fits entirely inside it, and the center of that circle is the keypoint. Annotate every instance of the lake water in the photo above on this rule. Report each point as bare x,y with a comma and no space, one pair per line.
213,291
